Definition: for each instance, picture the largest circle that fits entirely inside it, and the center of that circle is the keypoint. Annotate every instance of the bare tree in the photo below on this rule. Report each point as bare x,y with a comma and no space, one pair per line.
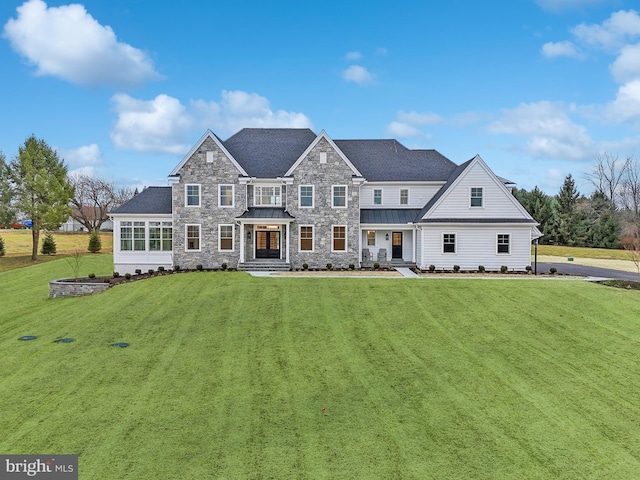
608,173
94,198
630,188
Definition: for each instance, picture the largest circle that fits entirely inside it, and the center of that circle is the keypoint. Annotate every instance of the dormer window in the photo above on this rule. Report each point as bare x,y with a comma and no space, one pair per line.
476,196
267,196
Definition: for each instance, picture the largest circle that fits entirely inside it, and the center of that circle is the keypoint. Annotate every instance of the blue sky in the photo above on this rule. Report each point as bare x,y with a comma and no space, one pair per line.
123,88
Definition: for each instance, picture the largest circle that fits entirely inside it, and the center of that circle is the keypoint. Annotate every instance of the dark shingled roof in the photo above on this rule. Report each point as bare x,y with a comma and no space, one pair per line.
152,200
266,212
268,152
388,215
389,161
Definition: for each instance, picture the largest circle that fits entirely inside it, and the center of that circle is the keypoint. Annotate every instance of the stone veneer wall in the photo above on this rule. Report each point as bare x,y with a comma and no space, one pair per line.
323,216
209,215
62,288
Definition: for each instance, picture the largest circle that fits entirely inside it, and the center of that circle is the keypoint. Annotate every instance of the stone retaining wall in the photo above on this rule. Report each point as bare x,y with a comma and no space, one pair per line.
67,288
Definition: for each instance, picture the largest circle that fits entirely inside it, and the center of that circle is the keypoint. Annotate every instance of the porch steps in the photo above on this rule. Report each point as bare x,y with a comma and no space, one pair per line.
264,266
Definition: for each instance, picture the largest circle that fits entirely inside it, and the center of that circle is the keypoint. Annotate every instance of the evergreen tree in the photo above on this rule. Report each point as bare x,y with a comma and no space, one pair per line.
48,245
7,211
569,226
95,244
602,222
42,190
540,207
2,252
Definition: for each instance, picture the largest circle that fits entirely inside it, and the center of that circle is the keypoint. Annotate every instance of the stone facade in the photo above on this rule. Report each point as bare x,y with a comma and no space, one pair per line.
62,288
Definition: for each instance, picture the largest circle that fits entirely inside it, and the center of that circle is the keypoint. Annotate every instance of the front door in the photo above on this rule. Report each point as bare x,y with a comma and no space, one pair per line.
267,244
396,246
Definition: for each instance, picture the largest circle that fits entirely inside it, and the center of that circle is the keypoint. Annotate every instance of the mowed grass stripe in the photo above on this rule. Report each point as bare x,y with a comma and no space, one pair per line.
227,377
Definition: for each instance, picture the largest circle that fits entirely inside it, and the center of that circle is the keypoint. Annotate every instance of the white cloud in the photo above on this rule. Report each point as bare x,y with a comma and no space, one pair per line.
353,55
613,33
627,66
358,74
403,130
87,171
422,119
164,124
560,49
550,131
67,42
87,155
626,106
563,5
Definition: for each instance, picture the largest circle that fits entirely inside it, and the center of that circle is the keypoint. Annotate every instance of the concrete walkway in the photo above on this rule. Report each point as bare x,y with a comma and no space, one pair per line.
407,272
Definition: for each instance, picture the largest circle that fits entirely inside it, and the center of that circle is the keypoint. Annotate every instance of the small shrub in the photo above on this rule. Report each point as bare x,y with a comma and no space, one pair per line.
127,276
223,266
2,252
329,266
352,266
176,268
138,271
553,270
161,268
199,267
432,268
305,266
376,266
150,271
528,268
95,244
504,269
48,245
116,274
481,269
106,280
92,275
456,268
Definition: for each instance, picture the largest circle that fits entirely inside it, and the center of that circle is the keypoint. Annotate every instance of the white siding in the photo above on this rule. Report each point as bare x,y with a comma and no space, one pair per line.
419,195
496,202
130,260
475,245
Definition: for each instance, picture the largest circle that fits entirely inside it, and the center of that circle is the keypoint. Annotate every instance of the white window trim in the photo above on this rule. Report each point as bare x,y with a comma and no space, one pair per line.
455,243
313,239
313,196
256,196
233,237
346,238
186,240
408,197
366,238
373,200
509,244
346,196
233,195
186,198
128,224
470,197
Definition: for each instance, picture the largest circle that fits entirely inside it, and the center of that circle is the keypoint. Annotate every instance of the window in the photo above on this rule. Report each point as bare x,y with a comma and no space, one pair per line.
126,236
377,196
404,196
503,243
193,195
306,239
306,196
449,243
160,236
225,195
476,196
339,238
225,237
267,196
139,236
371,238
339,196
193,237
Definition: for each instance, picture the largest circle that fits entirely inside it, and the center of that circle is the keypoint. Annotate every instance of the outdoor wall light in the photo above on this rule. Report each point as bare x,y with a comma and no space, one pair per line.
249,235
386,237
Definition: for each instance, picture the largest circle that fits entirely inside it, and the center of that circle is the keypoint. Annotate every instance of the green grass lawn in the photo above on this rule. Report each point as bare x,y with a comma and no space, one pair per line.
230,376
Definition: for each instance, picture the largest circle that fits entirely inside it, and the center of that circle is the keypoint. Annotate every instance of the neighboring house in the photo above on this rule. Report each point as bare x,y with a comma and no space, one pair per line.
290,197
72,225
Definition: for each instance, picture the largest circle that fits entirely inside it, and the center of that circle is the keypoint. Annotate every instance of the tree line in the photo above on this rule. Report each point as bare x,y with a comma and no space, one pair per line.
36,185
608,218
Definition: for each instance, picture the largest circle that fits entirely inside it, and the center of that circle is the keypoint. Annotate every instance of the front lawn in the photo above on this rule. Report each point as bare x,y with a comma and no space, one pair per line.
230,376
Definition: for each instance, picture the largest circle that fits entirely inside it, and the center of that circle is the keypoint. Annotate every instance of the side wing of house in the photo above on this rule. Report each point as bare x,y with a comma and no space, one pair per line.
474,220
143,232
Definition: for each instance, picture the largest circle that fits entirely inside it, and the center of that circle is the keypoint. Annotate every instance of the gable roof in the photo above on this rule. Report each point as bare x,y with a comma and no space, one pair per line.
218,142
389,160
268,152
152,200
324,135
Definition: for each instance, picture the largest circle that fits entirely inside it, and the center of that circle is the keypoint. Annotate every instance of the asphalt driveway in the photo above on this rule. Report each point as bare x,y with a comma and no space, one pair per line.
585,271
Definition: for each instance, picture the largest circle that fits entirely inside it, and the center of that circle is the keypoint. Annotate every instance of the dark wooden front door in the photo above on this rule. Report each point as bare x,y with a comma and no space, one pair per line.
267,244
396,245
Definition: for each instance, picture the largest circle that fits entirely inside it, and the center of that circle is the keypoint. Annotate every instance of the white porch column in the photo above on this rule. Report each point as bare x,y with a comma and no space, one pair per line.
287,231
360,231
242,234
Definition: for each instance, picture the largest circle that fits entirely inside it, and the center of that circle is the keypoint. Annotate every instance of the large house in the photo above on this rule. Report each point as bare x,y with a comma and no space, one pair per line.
289,197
